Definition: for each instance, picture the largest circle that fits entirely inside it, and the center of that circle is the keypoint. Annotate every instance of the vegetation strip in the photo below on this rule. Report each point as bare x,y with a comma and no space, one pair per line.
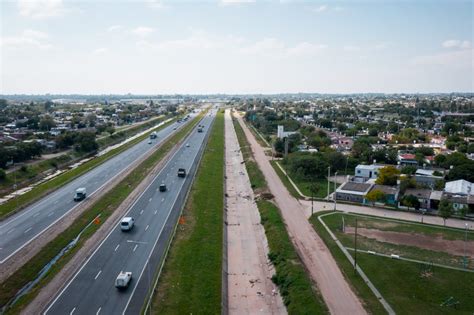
409,287
41,190
299,295
191,279
103,207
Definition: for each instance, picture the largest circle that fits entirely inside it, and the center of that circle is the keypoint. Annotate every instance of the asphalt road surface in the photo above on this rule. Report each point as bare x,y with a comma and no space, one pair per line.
20,229
141,250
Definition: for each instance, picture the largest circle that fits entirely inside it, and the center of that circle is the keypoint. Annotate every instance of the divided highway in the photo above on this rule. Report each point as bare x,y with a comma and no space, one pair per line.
20,229
141,250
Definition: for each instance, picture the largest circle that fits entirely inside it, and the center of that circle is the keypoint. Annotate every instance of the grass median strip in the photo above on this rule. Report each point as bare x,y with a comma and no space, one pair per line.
41,190
103,207
299,294
191,279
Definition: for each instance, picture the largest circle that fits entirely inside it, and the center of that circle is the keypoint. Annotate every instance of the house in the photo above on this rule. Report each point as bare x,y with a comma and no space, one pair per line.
423,196
365,172
426,177
459,187
407,159
460,201
391,193
353,192
435,198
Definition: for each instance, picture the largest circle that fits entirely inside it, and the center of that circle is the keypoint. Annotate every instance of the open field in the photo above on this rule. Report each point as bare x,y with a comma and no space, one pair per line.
103,207
409,287
41,190
191,279
296,288
304,185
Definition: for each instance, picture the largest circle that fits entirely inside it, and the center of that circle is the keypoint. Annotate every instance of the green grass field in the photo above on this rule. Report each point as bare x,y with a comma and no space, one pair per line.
104,206
304,185
41,190
402,283
191,281
298,293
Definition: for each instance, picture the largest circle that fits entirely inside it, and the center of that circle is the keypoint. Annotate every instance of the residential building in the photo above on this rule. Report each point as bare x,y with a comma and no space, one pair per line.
353,192
407,159
459,187
365,172
423,196
426,178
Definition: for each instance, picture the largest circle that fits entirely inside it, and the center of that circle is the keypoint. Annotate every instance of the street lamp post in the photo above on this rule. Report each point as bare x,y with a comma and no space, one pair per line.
334,194
329,174
465,241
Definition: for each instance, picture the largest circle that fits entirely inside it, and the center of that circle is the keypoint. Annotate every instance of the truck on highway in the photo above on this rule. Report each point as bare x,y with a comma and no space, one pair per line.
80,194
153,135
123,279
181,172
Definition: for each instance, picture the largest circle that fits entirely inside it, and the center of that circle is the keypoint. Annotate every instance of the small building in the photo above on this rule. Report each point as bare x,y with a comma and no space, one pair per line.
423,196
365,172
391,193
407,159
353,192
460,201
426,177
459,187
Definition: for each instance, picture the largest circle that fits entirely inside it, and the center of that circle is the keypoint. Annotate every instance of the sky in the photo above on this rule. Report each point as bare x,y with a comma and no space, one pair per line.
235,46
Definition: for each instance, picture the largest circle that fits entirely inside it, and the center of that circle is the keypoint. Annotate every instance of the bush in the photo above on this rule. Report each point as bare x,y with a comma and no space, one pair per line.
3,175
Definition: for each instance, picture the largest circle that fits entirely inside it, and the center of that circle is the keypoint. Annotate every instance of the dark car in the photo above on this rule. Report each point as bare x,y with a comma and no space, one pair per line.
162,187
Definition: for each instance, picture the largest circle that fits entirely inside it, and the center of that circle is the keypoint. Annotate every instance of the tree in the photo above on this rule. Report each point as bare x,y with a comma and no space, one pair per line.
3,175
46,123
375,195
411,201
85,142
388,175
445,210
409,169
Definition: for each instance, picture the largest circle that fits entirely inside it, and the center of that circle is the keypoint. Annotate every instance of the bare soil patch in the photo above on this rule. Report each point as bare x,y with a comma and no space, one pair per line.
435,243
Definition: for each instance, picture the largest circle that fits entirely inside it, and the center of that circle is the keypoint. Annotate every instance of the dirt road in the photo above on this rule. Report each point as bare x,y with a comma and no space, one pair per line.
250,288
322,267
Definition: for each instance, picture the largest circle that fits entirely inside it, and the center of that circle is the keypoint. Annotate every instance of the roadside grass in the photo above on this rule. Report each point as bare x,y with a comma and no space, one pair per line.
291,189
191,280
257,180
296,288
369,300
400,282
304,185
299,295
334,222
103,207
13,205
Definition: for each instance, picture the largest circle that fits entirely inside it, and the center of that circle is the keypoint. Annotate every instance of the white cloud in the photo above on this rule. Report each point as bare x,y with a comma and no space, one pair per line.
142,31
321,8
114,28
305,48
382,45
155,4
235,2
458,58
40,9
272,47
26,40
456,43
100,51
351,48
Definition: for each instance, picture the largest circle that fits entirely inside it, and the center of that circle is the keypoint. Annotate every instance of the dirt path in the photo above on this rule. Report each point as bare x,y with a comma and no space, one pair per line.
322,267
250,288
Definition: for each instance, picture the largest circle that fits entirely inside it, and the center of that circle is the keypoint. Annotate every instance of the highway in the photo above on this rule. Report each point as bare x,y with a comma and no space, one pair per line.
20,229
141,250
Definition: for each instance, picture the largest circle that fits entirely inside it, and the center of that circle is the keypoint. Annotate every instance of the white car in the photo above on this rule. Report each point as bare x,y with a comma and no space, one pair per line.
123,279
187,145
127,223
149,142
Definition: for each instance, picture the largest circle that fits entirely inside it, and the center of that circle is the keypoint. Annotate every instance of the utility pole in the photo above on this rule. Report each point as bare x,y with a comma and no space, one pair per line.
312,197
465,241
334,194
355,248
329,174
